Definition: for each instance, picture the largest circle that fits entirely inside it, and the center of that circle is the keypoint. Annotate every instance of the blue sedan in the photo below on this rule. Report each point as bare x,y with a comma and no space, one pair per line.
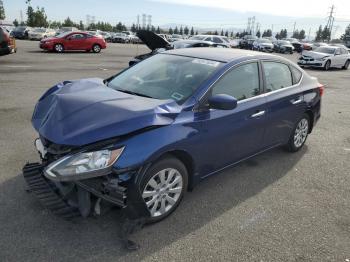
143,137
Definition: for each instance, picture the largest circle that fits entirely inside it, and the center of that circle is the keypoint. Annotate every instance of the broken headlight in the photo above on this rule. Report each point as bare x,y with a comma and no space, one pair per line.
83,165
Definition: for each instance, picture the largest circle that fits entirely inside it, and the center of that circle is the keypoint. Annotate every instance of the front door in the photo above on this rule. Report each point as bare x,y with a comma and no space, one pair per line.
232,135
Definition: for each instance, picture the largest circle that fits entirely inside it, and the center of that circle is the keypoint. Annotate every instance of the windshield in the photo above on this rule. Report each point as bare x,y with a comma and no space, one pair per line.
40,30
64,34
165,77
326,50
284,42
264,41
197,37
20,28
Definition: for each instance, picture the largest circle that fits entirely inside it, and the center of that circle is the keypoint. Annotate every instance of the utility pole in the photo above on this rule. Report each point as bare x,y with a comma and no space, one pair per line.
271,28
308,38
252,27
294,27
330,22
248,26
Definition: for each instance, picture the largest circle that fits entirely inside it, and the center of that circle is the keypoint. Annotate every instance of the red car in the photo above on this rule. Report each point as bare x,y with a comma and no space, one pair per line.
73,41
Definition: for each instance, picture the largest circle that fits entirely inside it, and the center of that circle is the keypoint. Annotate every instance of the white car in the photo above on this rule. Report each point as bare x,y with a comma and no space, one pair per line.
40,33
326,57
263,45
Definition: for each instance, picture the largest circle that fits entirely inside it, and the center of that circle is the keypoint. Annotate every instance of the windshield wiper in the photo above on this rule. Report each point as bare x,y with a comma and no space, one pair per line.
133,93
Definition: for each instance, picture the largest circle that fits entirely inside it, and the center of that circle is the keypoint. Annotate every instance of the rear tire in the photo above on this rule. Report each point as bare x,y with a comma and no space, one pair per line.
168,192
346,65
96,48
299,134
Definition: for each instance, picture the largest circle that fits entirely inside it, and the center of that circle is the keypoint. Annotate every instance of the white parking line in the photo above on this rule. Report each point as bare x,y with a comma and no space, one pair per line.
18,66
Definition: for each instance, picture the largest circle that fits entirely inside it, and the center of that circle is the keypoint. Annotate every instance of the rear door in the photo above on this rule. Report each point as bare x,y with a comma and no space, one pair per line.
285,101
233,135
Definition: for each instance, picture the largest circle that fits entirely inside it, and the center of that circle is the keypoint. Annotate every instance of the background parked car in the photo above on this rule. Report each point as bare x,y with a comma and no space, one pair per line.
318,44
212,38
247,41
40,33
7,42
263,45
120,38
21,32
283,46
73,41
298,47
175,37
66,29
326,57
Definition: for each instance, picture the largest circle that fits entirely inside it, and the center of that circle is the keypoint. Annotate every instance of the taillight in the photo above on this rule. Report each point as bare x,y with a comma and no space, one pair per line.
321,89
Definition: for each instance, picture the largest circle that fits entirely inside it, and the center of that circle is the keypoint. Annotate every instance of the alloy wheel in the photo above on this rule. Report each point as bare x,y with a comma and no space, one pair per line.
97,48
163,191
301,132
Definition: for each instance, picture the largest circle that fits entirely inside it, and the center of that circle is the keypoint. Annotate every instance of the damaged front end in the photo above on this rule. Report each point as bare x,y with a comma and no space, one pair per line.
74,181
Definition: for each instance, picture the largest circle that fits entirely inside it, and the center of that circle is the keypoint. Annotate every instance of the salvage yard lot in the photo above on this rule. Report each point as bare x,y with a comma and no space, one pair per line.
274,207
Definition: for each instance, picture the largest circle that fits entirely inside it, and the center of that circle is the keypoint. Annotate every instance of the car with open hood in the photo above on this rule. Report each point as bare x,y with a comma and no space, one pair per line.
159,44
326,57
7,42
143,137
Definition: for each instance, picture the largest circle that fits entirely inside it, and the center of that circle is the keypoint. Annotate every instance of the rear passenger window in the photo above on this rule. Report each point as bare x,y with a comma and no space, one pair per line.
296,74
277,76
241,82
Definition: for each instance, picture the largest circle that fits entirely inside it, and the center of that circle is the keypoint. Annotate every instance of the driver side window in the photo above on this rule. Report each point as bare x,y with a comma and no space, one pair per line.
241,82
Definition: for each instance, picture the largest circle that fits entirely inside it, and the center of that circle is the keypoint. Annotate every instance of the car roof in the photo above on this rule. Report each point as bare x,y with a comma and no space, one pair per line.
220,54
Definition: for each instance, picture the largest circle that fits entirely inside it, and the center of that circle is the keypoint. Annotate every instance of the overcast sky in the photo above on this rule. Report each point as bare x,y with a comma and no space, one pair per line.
227,14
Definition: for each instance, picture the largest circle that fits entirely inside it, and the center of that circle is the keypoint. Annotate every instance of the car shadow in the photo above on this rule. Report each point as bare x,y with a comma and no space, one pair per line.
31,231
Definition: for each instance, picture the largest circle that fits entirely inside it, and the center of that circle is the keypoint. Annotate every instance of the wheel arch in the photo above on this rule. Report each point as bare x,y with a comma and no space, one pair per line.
187,160
312,119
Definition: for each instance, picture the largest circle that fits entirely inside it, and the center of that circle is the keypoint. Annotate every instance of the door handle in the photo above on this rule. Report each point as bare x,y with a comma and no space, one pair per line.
257,114
296,101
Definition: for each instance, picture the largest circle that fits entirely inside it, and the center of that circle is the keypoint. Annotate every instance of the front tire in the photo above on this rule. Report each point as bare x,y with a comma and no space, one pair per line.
346,65
96,48
327,65
163,187
58,48
299,134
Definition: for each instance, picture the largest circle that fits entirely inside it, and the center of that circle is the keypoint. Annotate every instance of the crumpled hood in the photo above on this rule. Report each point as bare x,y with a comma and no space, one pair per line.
314,54
86,111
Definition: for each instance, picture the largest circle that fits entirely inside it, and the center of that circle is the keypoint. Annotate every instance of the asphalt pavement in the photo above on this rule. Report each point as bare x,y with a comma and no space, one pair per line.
277,206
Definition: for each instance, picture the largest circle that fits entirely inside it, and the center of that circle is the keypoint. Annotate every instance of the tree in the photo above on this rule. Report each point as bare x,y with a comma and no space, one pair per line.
346,33
326,34
81,25
181,32
231,34
37,18
267,33
2,11
15,22
176,31
319,34
120,27
133,28
158,30
222,32
196,32
186,30
68,22
296,34
301,34
216,32
226,33
192,31
258,34
171,31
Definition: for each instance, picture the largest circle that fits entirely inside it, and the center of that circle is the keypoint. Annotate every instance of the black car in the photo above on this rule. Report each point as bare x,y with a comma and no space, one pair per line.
21,32
247,42
158,44
298,47
283,46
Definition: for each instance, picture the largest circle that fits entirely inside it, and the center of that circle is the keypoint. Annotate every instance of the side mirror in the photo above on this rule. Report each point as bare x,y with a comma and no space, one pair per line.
222,102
